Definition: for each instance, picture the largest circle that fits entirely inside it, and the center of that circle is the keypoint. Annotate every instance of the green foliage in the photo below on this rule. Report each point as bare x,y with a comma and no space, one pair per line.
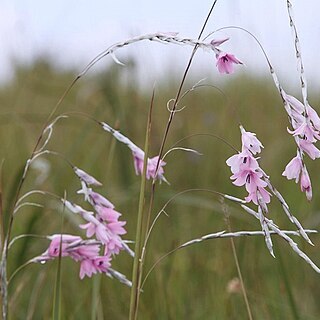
193,282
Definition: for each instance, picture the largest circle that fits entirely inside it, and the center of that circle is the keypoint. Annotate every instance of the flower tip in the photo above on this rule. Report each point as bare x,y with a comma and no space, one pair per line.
218,42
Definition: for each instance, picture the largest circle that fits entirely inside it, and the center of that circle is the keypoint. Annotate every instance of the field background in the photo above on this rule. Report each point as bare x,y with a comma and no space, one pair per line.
193,282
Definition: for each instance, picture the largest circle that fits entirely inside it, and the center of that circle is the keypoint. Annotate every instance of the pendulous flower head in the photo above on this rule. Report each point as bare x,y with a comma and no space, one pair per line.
225,62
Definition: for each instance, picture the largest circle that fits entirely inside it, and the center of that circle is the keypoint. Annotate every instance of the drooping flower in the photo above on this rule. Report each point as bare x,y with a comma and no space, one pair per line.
246,170
250,141
138,160
309,148
293,168
138,156
225,62
242,161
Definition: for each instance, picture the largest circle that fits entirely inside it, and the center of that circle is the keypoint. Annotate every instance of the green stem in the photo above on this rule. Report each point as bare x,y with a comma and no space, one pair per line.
288,286
234,252
135,290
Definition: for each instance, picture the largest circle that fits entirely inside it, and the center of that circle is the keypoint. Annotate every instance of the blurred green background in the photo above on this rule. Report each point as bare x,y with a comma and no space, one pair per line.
193,283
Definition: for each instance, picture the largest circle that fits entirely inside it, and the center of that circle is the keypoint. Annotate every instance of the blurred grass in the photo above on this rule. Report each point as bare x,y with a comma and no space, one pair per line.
192,283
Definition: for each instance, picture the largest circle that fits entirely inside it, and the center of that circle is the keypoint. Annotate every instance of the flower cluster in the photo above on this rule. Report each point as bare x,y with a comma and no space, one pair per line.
102,223
225,61
306,131
246,170
84,251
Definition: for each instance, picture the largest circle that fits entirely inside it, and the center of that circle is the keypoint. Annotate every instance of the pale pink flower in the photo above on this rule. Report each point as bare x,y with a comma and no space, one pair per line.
107,214
242,161
305,183
294,103
250,141
116,227
306,131
138,159
54,246
309,148
293,168
97,229
84,251
87,268
225,62
85,177
253,196
114,246
102,264
314,117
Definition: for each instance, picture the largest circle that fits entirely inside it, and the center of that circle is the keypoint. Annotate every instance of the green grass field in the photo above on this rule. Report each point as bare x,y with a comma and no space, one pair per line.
193,282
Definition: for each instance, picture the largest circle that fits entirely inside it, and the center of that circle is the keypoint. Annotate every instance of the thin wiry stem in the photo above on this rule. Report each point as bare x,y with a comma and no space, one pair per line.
218,235
303,80
137,265
235,256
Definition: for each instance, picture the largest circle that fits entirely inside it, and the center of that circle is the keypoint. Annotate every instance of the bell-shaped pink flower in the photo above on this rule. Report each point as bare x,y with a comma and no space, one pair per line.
87,251
107,214
102,264
242,161
225,62
314,117
253,196
87,268
250,141
309,148
293,168
138,160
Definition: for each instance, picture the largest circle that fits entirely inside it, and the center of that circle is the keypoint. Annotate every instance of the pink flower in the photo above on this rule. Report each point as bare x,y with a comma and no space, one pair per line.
314,117
98,229
87,268
138,159
102,264
107,214
116,227
250,141
306,131
305,183
309,148
114,246
253,196
84,251
293,168
242,161
294,103
225,62
54,247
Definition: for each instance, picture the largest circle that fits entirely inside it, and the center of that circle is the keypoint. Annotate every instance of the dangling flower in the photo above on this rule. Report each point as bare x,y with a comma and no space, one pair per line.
293,168
225,62
138,160
246,170
250,141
